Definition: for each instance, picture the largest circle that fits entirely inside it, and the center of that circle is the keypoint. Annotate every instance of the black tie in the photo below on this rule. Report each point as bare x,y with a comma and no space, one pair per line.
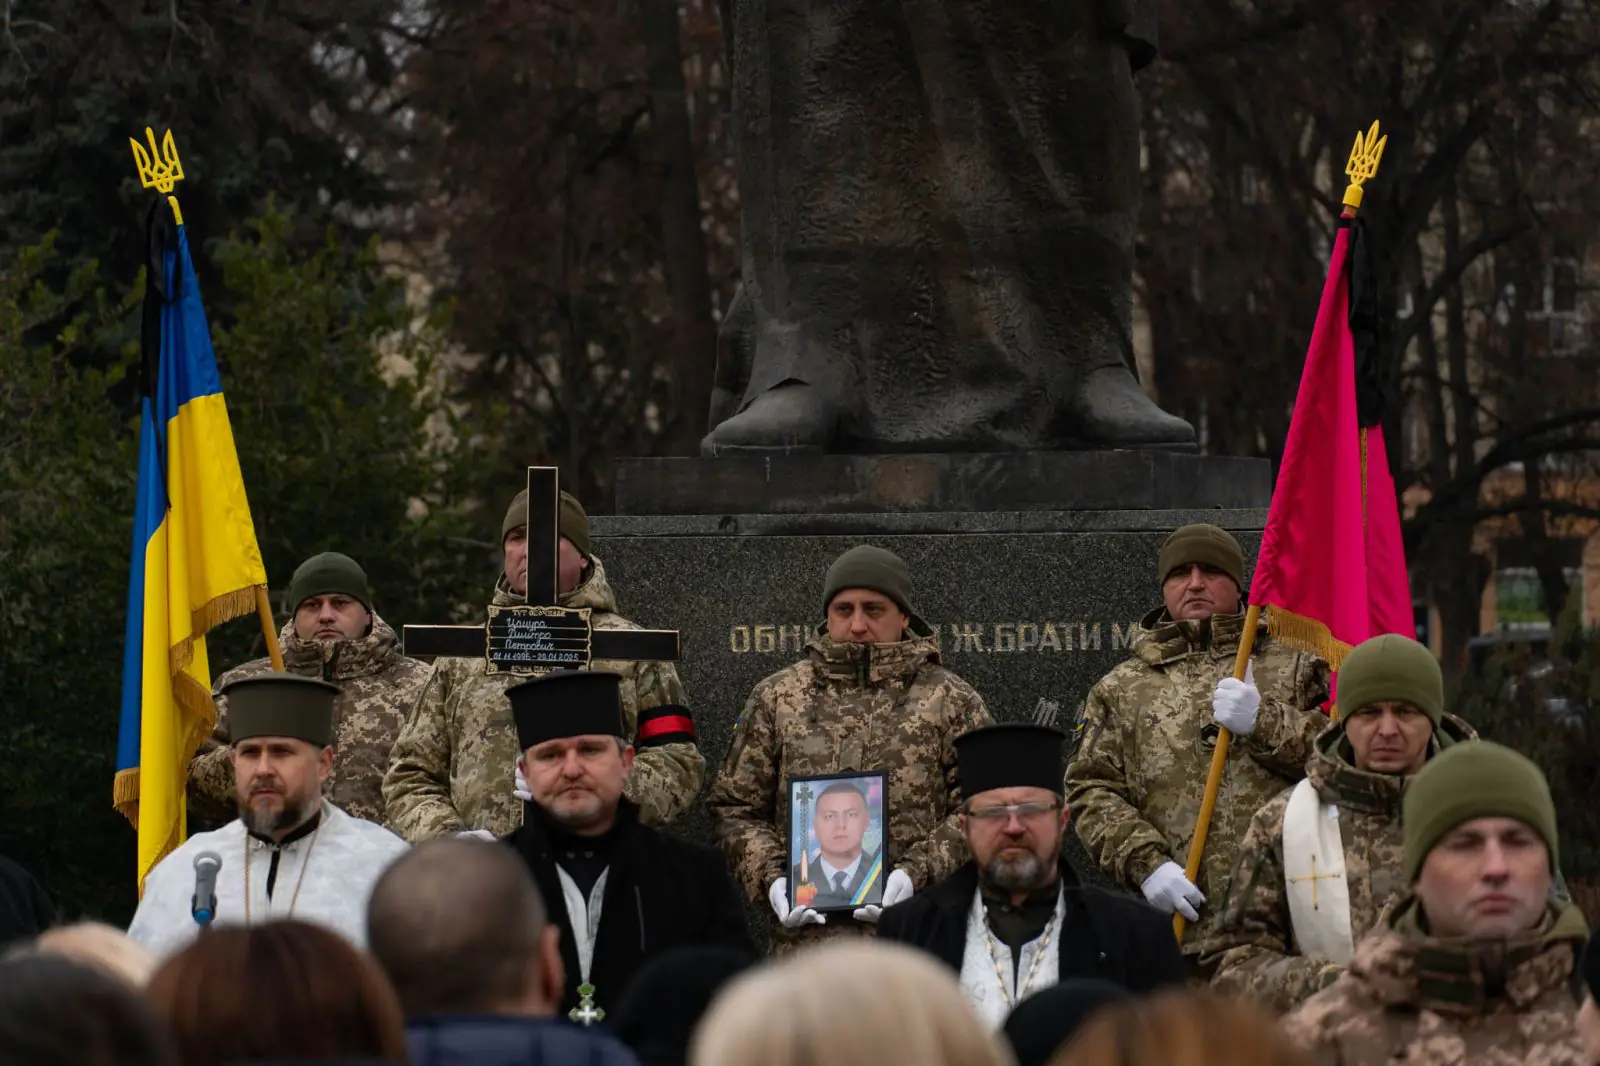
838,881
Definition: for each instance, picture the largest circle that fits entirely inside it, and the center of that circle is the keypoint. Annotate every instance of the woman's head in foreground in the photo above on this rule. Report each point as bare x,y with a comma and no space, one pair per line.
859,1003
1180,1028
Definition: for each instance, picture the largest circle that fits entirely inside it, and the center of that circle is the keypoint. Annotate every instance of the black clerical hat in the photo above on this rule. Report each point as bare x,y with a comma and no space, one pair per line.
1011,755
281,705
567,703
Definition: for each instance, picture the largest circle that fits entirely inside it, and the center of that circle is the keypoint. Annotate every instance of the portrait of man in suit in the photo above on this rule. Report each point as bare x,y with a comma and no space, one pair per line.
839,862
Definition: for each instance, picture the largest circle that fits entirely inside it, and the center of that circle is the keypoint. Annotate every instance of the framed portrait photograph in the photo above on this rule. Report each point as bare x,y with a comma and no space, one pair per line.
837,839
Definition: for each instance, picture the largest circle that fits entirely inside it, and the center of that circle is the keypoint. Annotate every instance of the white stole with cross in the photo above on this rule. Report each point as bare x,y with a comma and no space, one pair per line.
1314,876
993,995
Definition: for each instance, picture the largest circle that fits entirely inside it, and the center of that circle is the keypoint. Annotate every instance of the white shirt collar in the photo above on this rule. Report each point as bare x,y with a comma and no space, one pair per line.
828,870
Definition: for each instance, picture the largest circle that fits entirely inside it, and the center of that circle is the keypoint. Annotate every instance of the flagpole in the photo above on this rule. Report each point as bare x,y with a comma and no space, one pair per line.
1219,762
191,526
1361,168
269,629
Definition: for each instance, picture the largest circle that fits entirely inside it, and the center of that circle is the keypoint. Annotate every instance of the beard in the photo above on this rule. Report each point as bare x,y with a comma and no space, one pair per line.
1024,874
579,809
267,822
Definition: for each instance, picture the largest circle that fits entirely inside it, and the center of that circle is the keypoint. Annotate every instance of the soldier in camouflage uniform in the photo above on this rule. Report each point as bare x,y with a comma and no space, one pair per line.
336,636
1391,698
1147,730
1476,966
454,764
869,695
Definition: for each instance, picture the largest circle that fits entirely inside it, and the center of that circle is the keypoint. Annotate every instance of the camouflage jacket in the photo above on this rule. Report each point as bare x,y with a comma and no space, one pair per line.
454,764
1254,949
1413,1000
1145,737
888,707
377,687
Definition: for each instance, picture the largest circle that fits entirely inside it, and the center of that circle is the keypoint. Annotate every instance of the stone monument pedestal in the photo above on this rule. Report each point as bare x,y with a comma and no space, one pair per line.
1034,567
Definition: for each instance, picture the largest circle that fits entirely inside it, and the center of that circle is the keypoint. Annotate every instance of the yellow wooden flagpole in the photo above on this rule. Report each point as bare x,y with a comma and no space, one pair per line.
1219,763
269,629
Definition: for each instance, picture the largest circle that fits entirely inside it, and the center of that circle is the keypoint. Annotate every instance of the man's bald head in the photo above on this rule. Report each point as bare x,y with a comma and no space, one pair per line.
459,925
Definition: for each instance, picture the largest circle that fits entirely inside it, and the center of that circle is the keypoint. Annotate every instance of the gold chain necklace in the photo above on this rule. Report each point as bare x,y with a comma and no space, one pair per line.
301,880
1033,968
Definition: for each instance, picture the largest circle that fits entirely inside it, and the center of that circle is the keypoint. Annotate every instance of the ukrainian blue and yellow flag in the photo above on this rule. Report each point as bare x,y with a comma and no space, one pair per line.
196,563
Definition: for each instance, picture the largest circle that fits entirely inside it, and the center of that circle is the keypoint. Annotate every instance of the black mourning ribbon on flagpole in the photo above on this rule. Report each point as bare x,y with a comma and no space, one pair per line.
157,232
1374,384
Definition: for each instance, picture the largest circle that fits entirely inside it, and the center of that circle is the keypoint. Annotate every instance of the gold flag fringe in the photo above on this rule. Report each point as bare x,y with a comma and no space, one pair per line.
192,698
125,794
188,693
1307,634
207,617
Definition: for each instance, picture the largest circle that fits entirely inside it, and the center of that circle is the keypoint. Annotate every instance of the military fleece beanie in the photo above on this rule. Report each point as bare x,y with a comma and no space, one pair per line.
1474,779
572,521
325,575
867,567
1391,667
1202,543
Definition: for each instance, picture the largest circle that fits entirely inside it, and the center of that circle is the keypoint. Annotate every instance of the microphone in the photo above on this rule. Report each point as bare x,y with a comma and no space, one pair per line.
203,904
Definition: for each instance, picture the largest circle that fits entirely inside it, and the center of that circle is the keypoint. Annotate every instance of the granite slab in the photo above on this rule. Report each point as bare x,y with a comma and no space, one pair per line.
941,482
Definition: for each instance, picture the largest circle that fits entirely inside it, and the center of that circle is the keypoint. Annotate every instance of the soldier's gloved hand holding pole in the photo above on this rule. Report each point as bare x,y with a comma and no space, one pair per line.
896,890
1234,706
1236,703
1172,891
778,895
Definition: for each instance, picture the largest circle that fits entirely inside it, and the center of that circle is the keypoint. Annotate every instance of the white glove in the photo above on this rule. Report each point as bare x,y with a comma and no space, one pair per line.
520,788
1235,703
778,895
896,889
1171,890
478,834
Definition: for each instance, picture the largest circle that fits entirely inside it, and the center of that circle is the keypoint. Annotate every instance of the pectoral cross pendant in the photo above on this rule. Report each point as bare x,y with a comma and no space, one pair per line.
586,1013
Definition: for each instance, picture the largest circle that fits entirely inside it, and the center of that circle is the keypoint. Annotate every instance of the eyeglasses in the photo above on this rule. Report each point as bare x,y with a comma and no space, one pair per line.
1003,812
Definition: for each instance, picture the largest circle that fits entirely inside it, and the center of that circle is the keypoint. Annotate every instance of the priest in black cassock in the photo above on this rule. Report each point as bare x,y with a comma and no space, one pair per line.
620,892
1015,919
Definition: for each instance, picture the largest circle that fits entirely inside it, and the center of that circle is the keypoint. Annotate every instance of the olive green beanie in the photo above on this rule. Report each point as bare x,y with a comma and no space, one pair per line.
325,575
1391,667
867,567
572,521
1202,543
1474,779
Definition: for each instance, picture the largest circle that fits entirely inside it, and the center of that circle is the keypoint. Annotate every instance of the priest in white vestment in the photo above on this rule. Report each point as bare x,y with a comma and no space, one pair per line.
290,853
1322,863
1016,919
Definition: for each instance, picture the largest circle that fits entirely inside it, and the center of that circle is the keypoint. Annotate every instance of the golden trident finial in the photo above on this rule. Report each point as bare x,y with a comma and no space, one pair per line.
159,168
1363,165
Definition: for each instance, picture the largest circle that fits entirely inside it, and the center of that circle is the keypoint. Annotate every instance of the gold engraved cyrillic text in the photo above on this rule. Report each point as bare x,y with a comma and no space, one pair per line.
956,638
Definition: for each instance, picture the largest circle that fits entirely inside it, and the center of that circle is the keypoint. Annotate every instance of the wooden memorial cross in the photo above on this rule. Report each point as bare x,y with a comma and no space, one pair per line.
540,635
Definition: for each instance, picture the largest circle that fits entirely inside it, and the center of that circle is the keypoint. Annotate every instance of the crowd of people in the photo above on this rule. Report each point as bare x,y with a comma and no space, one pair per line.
447,863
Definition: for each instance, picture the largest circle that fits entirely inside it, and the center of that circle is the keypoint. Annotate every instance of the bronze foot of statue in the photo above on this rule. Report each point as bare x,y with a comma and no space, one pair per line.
1112,411
793,418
